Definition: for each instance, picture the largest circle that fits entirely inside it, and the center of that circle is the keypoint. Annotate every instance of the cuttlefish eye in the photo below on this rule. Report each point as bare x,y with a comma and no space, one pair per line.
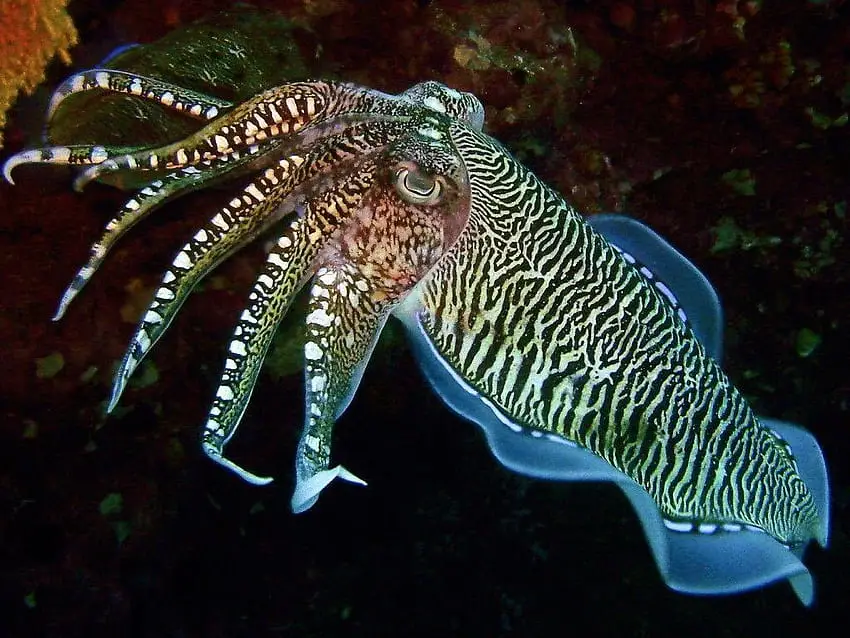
417,187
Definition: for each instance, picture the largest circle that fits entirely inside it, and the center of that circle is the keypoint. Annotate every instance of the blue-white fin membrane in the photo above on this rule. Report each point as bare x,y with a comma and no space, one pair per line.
695,559
670,272
118,50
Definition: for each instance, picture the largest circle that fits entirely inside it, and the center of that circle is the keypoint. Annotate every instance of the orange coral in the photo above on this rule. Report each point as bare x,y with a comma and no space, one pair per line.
33,32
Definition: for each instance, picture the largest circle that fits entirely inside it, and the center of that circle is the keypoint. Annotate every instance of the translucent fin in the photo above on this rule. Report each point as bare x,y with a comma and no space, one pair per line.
678,280
722,562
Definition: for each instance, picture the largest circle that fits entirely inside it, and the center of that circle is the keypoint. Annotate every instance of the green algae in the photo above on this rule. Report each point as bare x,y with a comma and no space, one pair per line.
729,236
741,181
807,342
49,366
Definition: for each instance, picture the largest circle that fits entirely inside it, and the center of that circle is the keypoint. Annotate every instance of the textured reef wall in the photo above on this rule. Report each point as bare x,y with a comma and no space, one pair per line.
723,125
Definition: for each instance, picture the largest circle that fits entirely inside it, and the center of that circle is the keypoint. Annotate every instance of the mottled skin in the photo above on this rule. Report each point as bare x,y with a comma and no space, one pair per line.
363,217
565,336
400,202
367,267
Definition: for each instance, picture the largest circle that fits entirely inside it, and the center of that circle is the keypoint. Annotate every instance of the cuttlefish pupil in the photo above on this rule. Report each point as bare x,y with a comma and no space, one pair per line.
417,187
585,349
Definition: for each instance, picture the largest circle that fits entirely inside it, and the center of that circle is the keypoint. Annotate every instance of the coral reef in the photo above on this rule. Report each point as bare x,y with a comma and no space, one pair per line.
34,33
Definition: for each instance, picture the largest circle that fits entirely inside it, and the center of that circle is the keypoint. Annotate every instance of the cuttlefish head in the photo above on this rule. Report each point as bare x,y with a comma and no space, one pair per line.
411,204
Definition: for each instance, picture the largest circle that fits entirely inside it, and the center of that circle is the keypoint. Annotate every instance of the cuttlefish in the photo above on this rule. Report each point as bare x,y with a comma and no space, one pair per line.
584,349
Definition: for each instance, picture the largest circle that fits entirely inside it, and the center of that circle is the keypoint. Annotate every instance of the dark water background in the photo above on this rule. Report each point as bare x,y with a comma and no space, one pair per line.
722,125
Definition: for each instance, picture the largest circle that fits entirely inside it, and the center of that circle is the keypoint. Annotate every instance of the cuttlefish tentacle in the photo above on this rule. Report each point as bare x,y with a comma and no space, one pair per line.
306,110
177,98
280,111
230,164
135,209
283,111
144,202
235,225
271,296
261,203
288,265
73,155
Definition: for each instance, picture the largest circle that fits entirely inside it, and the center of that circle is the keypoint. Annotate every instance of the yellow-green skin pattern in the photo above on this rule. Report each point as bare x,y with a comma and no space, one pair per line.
387,203
539,313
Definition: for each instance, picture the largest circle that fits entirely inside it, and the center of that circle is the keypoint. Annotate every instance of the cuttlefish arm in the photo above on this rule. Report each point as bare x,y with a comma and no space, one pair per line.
344,322
299,112
400,231
264,201
177,98
290,263
142,204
